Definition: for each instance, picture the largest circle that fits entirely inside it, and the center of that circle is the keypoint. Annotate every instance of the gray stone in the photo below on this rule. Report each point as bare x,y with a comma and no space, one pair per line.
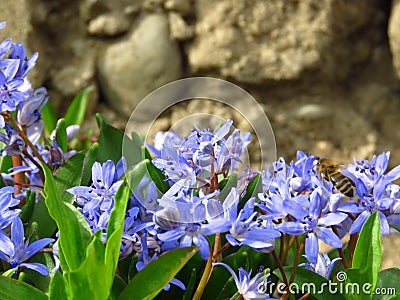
135,66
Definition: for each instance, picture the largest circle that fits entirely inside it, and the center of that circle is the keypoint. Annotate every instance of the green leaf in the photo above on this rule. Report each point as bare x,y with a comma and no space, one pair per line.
76,111
190,286
88,162
367,258
157,274
253,189
73,228
12,289
90,280
232,182
27,209
58,287
69,175
110,141
114,232
157,176
61,135
49,118
118,286
146,154
47,226
388,285
397,227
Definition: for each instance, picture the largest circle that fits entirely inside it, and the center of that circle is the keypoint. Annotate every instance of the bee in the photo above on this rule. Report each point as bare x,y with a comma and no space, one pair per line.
330,171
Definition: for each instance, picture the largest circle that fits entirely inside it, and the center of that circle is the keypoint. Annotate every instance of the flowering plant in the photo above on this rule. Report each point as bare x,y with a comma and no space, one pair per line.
183,222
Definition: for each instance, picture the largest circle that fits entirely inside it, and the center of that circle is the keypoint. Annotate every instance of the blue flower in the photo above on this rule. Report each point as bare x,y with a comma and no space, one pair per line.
188,218
247,230
97,200
202,154
24,251
7,215
313,224
324,265
145,259
248,288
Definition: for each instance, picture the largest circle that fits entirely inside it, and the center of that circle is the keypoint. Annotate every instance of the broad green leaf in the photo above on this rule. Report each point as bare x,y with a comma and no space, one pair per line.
397,227
110,141
49,118
157,176
76,111
27,209
90,280
388,285
69,175
157,274
118,286
253,189
12,289
146,154
58,287
61,135
114,233
74,230
231,183
190,286
88,162
47,226
367,258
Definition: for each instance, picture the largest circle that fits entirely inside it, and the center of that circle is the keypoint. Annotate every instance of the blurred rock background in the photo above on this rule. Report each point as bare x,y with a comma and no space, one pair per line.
326,72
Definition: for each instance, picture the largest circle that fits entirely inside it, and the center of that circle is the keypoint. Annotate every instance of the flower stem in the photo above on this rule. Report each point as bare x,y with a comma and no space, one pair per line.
280,266
18,177
353,243
340,250
24,137
205,277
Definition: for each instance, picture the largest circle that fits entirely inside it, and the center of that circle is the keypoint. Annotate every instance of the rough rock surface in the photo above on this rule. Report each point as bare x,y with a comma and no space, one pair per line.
255,41
324,71
394,35
133,67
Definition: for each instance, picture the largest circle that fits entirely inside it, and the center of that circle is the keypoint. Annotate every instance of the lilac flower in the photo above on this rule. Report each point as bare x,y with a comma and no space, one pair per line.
97,200
11,87
375,190
7,215
18,52
145,259
202,154
324,265
14,145
368,204
188,218
248,288
246,230
29,110
100,195
313,224
24,251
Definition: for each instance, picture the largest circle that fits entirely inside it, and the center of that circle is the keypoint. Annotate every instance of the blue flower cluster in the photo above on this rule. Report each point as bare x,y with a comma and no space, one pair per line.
295,200
22,134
